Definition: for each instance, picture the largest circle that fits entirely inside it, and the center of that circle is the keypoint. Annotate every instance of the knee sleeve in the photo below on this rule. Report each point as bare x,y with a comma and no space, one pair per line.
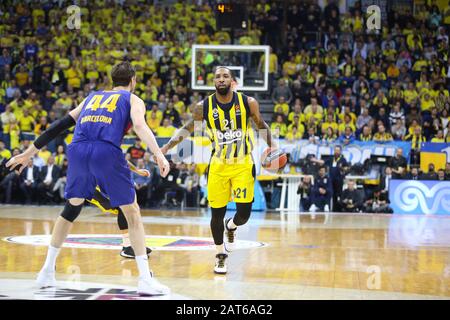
243,211
122,221
70,212
217,227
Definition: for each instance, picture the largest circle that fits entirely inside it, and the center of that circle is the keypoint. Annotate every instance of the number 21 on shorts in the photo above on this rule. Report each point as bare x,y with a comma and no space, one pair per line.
240,193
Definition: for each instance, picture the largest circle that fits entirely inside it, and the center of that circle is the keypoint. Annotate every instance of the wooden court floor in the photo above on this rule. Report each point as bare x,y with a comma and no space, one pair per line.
280,256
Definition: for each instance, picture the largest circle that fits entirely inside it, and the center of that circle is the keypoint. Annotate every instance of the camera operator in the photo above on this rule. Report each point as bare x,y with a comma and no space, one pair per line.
351,200
304,190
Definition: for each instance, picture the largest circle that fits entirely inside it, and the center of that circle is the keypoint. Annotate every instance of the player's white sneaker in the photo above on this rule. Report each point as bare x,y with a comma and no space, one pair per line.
229,236
46,279
326,208
313,208
221,263
151,287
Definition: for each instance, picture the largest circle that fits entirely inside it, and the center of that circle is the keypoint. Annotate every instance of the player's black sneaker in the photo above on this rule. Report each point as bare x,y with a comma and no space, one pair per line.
128,252
229,236
221,264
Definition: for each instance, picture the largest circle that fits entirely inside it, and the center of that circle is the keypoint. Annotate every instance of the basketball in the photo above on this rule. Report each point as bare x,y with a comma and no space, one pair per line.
273,159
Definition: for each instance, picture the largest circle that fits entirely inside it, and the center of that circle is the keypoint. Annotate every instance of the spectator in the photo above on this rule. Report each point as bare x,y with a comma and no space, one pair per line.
416,140
166,130
304,190
384,181
313,107
321,192
26,121
413,174
329,136
49,174
60,184
282,90
311,136
190,182
398,163
441,175
60,156
347,137
41,126
141,184
330,95
346,123
172,114
382,135
396,114
29,180
439,137
279,127
351,199
363,119
398,130
431,174
293,133
136,151
447,170
281,103
7,117
10,179
366,134
169,186
44,154
377,203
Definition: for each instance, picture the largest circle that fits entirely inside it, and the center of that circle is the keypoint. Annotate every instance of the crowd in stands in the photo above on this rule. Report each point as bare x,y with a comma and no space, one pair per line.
322,192
332,81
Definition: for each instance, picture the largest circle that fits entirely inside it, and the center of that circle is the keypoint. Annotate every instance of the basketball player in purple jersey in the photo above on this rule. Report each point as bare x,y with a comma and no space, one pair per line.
95,158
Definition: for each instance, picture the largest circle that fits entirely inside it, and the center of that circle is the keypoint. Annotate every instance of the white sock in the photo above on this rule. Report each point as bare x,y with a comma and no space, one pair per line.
143,267
126,240
50,261
220,248
231,225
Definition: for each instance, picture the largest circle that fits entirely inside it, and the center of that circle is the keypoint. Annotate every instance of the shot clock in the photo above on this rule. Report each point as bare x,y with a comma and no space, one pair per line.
231,16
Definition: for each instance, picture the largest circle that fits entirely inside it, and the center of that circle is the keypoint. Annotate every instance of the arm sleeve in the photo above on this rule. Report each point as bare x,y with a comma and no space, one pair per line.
54,130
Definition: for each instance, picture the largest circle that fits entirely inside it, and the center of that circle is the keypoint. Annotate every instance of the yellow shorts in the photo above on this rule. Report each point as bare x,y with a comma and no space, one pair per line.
230,182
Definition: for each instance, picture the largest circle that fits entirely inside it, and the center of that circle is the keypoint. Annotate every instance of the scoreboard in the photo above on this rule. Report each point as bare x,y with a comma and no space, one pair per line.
231,16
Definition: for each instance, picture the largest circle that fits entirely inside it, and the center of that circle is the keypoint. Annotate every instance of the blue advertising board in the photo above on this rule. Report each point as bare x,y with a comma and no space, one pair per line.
420,197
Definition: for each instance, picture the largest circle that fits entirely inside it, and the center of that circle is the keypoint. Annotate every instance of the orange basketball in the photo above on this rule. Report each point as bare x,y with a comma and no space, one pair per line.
273,159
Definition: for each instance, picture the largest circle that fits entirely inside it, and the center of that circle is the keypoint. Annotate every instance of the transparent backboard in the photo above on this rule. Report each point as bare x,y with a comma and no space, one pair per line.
250,65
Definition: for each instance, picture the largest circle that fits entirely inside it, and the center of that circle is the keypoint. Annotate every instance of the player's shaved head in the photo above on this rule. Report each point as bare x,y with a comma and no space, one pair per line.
122,74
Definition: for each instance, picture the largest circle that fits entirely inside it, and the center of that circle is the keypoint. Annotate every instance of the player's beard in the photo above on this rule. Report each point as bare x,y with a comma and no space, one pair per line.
224,90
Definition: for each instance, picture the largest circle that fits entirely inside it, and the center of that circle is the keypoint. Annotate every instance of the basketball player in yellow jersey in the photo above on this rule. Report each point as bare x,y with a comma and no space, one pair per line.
231,170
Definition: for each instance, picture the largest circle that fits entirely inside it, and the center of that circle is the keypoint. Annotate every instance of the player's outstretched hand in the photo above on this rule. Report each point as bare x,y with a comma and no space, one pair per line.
163,165
18,162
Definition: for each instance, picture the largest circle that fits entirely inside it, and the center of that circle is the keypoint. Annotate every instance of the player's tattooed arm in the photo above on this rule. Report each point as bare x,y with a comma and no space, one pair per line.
186,130
261,125
141,172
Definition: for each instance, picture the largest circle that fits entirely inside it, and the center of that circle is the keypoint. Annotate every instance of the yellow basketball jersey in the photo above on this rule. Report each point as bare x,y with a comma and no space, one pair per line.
228,126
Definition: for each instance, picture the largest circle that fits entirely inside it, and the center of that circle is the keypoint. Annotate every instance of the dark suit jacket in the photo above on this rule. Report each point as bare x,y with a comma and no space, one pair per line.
383,181
409,176
56,173
36,174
